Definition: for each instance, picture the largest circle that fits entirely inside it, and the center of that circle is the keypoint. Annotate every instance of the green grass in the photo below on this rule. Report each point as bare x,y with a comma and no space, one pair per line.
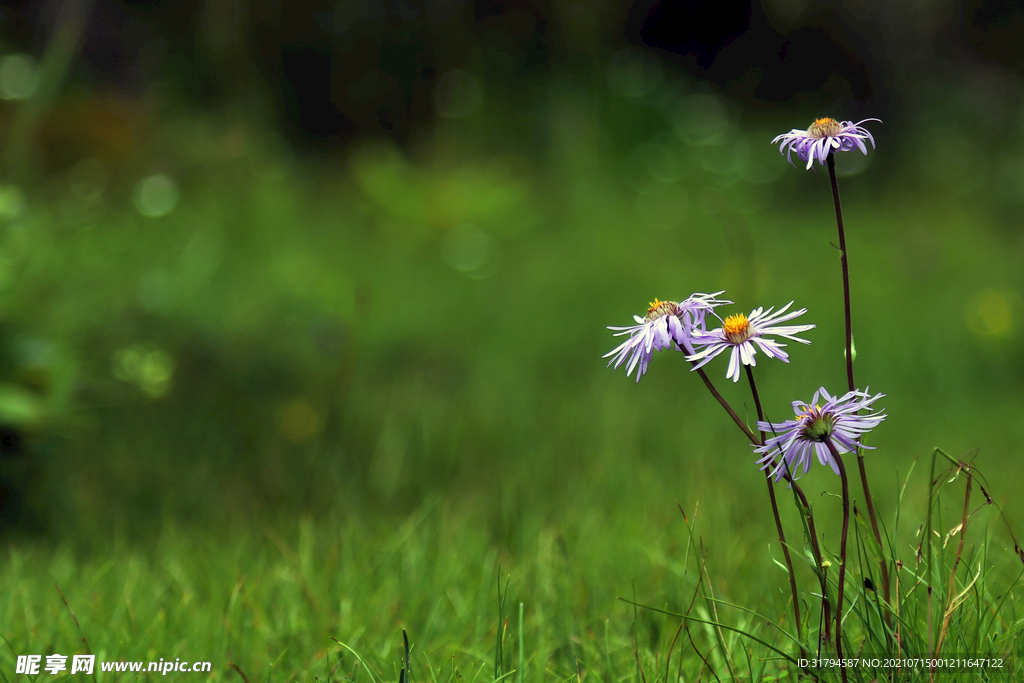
328,431
271,600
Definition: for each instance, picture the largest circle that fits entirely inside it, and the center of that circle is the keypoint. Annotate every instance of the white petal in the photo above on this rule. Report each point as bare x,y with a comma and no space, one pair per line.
734,366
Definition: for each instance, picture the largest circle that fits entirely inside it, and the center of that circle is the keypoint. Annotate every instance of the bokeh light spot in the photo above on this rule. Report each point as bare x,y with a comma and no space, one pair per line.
663,210
155,374
651,166
385,175
634,72
156,195
853,163
156,290
19,406
458,94
297,421
728,161
761,169
992,313
126,363
88,180
12,201
660,162
701,120
471,251
18,77
150,369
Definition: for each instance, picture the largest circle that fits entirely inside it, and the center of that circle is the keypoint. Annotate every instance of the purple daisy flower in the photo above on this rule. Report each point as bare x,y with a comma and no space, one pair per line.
667,325
841,420
822,138
745,335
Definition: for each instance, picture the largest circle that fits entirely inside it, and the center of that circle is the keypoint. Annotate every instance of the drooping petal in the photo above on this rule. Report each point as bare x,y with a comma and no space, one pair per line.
843,421
749,334
824,137
734,365
747,352
668,325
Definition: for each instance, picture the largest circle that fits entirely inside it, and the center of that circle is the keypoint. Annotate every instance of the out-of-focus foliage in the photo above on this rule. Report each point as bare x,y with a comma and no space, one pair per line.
199,320
231,327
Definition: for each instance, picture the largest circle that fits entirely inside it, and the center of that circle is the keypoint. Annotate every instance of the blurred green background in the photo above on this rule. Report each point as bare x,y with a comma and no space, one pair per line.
355,262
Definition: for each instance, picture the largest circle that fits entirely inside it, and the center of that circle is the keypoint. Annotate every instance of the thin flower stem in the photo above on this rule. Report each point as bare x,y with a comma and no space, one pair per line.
778,520
844,260
812,530
882,565
732,413
842,556
757,399
950,593
813,533
846,270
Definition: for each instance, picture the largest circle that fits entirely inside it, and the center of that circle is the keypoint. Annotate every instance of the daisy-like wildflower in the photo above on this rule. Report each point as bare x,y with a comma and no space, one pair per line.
743,336
822,138
841,420
667,325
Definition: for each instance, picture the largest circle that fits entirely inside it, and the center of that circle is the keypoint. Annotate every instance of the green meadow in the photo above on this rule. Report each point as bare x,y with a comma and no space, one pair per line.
277,409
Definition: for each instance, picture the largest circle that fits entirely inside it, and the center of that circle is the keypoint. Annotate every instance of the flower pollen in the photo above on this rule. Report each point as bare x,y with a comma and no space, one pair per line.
667,325
819,432
659,309
823,138
737,328
822,128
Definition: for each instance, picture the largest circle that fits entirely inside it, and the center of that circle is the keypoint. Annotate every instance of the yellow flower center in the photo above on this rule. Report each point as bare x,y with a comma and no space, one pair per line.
737,328
659,309
822,128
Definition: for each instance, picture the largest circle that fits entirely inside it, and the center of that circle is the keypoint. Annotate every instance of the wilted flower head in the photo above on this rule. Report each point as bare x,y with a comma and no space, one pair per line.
745,335
667,325
841,420
822,138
